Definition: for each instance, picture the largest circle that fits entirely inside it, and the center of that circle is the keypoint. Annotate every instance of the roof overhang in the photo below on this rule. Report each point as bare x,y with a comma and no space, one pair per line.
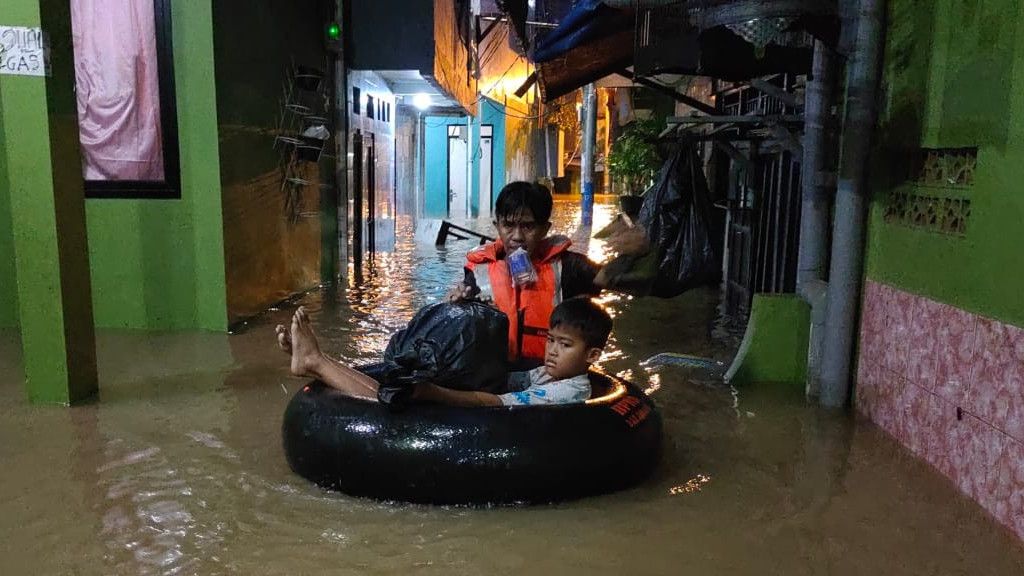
406,84
719,44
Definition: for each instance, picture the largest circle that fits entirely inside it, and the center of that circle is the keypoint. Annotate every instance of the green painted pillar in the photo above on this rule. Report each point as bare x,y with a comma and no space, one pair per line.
39,141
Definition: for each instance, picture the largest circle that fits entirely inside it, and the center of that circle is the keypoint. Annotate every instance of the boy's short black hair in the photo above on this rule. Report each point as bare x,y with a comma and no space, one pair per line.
586,317
517,197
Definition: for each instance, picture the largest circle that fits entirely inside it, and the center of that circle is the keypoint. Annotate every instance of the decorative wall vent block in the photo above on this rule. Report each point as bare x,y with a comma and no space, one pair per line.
935,197
933,213
944,167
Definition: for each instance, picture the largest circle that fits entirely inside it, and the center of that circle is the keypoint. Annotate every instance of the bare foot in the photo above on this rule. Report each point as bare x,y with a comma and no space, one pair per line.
306,355
284,338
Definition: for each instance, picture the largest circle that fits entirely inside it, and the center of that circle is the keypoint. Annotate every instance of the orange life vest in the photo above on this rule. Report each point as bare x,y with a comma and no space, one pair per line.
528,307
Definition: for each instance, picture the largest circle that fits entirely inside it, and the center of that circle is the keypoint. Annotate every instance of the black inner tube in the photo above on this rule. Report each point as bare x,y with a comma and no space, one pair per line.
447,455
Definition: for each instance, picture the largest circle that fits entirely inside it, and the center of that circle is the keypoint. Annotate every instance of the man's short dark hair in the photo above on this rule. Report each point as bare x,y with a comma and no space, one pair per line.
518,197
586,317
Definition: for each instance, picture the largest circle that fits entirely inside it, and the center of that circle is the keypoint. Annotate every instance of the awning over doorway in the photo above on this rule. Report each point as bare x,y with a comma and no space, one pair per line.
592,41
589,21
595,39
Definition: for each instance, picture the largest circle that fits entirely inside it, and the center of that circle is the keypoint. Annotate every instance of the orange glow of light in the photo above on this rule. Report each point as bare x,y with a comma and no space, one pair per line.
692,485
655,383
617,391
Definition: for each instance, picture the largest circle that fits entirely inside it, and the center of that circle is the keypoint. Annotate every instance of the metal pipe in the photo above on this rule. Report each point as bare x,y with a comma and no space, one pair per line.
587,161
787,204
371,194
330,239
816,193
341,111
547,151
418,168
775,185
357,201
471,152
769,119
815,204
851,203
606,183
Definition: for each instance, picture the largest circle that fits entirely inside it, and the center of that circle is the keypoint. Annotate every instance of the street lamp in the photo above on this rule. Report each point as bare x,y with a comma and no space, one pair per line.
421,101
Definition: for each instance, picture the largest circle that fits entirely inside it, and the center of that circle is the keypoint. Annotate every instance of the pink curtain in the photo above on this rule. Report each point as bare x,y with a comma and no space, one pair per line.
117,88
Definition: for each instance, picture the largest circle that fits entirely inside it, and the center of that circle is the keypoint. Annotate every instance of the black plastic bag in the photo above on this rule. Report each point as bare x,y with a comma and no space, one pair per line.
461,345
677,215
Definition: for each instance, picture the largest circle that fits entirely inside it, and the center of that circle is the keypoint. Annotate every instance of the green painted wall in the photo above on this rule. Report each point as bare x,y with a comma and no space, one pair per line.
8,281
954,77
159,264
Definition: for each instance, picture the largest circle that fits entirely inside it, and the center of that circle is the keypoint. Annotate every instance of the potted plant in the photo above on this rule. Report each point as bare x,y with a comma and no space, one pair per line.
633,161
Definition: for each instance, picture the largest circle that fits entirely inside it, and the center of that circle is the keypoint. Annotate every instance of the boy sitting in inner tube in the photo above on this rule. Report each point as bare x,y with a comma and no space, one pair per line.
553,273
578,332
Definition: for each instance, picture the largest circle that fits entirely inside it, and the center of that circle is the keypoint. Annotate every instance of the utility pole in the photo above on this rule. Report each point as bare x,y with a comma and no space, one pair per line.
587,161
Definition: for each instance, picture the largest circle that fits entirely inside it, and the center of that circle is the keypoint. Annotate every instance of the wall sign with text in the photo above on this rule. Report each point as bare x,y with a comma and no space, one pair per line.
23,51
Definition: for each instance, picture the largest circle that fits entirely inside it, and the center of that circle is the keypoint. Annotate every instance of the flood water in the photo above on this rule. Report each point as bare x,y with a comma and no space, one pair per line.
178,468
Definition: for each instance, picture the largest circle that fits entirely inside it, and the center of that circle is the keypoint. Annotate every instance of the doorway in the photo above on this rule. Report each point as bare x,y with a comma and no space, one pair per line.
458,174
486,169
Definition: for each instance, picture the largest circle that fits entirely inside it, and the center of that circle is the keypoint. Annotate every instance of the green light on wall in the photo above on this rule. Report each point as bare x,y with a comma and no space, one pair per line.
333,31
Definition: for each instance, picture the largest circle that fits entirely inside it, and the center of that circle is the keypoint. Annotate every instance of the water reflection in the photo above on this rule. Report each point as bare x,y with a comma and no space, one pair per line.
179,468
392,286
690,486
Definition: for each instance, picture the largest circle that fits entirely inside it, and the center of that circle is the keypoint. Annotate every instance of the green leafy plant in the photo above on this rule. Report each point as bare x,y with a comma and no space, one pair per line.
633,160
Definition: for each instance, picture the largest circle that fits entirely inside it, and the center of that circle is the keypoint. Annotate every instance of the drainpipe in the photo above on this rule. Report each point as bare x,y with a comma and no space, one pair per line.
587,161
851,203
815,205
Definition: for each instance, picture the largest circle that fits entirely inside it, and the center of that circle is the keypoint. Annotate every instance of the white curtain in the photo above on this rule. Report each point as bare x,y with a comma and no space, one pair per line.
117,89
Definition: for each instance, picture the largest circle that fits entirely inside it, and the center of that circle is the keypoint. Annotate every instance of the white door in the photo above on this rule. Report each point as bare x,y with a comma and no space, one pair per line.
486,171
458,181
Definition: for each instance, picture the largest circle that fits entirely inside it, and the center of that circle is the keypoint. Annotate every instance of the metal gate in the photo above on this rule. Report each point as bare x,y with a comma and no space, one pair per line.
763,207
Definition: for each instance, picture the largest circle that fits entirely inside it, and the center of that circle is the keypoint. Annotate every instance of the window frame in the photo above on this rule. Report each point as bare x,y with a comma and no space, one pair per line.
170,186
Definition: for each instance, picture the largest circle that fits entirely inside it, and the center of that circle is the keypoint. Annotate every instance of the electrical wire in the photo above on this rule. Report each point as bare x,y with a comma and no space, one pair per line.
493,48
482,94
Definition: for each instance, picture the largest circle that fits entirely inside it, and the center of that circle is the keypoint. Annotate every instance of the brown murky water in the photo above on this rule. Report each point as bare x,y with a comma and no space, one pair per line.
178,468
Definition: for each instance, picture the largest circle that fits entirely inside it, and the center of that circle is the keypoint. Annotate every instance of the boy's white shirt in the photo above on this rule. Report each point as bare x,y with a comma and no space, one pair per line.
536,387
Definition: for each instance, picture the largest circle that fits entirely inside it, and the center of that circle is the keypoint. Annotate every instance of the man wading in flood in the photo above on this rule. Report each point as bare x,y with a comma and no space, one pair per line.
528,294
546,273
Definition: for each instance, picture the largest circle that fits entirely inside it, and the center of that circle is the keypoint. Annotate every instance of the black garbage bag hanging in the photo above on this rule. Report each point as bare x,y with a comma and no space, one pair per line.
676,215
460,345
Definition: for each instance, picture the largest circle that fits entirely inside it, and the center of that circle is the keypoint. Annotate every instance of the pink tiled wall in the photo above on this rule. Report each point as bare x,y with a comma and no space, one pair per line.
949,385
